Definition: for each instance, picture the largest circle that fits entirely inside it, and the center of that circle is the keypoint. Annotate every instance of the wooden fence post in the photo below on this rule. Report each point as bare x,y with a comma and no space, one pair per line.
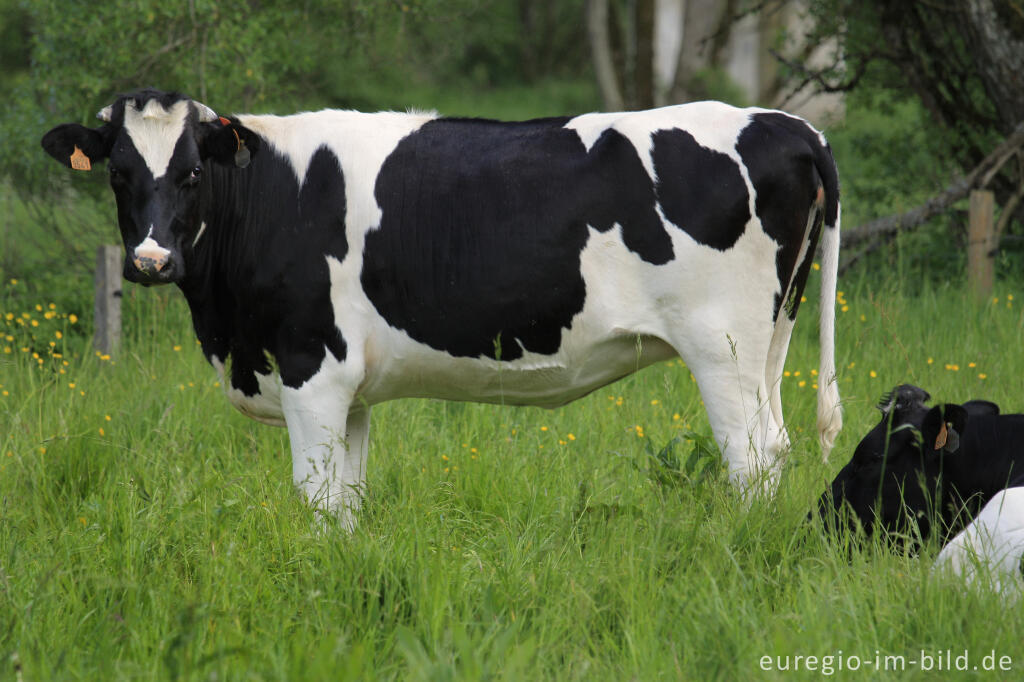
107,337
980,243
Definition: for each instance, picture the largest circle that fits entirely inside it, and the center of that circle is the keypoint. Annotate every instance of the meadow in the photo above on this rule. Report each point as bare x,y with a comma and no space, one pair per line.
149,531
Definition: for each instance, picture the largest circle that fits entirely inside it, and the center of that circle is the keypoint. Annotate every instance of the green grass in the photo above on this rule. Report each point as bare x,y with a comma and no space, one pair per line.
148,531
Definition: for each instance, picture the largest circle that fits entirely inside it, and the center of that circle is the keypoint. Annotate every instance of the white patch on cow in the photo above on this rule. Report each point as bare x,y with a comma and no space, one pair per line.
712,124
360,141
155,131
202,229
149,248
265,406
988,552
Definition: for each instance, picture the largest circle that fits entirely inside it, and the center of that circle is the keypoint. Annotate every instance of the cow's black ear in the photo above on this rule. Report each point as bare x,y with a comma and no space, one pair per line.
76,146
229,142
942,427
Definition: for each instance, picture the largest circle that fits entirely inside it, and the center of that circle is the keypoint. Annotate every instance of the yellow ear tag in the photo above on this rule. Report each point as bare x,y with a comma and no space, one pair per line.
79,161
940,440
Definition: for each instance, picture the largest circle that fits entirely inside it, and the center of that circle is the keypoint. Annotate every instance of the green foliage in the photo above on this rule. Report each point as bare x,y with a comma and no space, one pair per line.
63,61
701,463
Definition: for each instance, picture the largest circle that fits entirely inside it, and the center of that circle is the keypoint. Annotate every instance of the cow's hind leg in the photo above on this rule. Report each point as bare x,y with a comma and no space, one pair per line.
729,368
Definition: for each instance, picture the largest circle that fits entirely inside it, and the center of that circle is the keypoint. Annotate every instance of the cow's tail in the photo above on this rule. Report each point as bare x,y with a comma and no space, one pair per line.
830,414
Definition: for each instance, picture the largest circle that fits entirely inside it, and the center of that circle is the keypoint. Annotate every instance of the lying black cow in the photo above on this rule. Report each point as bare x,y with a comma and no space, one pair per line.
933,466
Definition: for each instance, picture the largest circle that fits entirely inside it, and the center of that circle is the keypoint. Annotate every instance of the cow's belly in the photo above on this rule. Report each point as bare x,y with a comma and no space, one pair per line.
539,380
264,405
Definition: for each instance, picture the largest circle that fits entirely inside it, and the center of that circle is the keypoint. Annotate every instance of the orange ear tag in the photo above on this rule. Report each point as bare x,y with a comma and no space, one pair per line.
79,161
940,440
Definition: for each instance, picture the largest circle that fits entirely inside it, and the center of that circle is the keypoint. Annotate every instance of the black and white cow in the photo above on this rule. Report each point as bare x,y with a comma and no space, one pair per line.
336,259
936,465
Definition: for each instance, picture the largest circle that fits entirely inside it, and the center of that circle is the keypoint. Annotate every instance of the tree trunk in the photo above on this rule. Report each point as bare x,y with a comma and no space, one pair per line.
601,50
700,21
644,70
995,32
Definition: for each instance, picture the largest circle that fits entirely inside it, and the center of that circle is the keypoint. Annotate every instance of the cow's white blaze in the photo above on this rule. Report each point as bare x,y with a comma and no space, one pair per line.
155,131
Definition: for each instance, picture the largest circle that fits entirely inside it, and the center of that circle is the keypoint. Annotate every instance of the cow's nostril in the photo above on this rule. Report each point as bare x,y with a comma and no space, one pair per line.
150,264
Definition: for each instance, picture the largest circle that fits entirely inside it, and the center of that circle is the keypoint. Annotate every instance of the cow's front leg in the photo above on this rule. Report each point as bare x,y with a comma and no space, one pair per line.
329,435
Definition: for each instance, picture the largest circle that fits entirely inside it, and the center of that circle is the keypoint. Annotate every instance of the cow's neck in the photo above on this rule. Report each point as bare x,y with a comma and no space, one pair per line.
214,262
262,264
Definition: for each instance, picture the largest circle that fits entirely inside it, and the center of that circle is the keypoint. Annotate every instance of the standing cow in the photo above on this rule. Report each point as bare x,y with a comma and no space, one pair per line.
334,260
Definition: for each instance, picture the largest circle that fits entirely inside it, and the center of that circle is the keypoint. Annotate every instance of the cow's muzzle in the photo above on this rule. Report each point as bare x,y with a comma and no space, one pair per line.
153,264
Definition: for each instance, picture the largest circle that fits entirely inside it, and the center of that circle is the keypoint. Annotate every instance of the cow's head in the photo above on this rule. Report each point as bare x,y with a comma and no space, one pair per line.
895,471
157,145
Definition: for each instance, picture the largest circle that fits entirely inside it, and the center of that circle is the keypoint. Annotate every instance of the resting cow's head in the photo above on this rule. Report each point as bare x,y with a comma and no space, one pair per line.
158,146
894,475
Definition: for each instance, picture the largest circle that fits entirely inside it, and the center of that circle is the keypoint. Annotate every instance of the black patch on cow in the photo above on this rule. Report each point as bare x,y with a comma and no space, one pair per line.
259,287
787,164
483,223
700,190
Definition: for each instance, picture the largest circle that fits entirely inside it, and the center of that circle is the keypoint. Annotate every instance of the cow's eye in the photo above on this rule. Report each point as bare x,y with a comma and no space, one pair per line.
196,172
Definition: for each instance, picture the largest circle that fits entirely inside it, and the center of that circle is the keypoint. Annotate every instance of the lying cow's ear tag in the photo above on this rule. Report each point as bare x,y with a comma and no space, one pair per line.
948,439
952,440
79,161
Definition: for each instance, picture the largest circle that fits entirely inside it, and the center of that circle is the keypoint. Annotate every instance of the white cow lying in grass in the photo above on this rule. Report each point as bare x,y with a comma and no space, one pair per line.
990,550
